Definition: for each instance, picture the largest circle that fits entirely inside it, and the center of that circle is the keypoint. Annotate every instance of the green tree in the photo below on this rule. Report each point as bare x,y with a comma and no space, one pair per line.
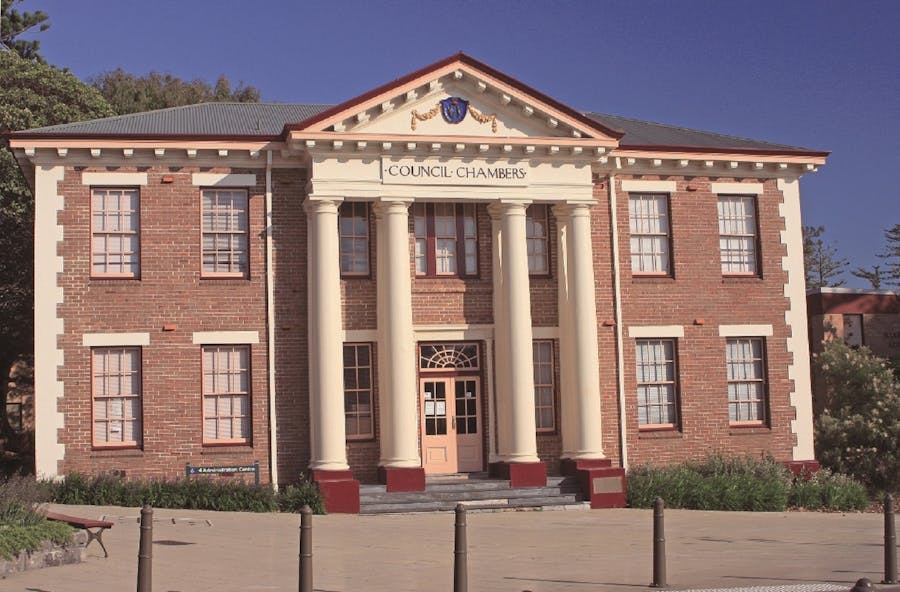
891,255
13,23
32,94
859,431
128,93
874,275
821,261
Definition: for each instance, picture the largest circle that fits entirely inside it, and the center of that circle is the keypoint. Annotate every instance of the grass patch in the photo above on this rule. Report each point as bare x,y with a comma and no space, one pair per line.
192,494
741,483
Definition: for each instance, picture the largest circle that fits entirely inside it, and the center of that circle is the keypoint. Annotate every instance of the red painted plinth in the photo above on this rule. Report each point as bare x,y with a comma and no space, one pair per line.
340,491
520,474
805,468
604,487
402,479
571,466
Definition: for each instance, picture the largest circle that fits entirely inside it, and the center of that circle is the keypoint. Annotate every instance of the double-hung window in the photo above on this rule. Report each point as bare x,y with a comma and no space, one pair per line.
657,386
738,235
745,359
225,233
358,402
115,232
648,219
544,413
116,396
537,237
226,394
353,230
446,239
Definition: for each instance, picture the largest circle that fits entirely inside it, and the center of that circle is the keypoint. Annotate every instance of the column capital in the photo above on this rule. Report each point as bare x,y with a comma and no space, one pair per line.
322,205
391,205
500,208
570,209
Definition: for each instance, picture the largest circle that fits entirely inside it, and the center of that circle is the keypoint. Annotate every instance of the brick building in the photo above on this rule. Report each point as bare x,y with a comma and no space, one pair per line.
868,318
450,273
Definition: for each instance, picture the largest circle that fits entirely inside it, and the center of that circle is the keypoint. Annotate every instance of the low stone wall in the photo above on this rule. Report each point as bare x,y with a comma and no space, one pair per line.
47,556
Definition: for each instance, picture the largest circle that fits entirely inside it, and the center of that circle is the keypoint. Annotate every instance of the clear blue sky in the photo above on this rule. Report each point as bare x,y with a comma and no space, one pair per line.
819,74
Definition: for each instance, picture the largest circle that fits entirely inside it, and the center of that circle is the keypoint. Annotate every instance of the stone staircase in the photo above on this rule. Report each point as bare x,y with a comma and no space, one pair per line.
476,492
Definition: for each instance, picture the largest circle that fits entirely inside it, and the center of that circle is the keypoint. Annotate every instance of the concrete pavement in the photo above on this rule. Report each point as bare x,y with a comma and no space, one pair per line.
571,551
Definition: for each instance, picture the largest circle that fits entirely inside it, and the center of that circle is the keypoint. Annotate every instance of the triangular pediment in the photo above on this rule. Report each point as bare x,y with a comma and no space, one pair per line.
460,99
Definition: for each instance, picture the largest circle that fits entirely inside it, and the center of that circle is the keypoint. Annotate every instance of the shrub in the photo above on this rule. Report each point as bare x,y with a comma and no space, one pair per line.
18,498
193,494
741,483
859,431
17,538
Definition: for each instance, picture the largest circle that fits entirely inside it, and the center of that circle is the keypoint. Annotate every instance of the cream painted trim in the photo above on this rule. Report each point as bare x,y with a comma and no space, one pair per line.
113,178
48,325
620,345
738,188
225,337
452,332
795,318
114,339
745,330
545,332
223,180
360,336
652,186
649,331
270,328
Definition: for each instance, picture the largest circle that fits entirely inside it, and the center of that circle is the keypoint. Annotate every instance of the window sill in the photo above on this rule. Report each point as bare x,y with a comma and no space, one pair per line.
213,448
122,452
360,439
748,429
647,278
660,434
742,278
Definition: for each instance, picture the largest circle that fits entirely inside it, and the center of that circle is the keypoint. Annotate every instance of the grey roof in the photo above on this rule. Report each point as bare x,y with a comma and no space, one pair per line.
205,119
648,133
269,119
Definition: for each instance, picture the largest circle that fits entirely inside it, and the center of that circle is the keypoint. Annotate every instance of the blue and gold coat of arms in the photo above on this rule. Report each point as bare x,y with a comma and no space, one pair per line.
454,109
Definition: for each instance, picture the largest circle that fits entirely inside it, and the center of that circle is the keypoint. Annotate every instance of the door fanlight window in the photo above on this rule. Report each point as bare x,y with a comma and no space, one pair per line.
444,356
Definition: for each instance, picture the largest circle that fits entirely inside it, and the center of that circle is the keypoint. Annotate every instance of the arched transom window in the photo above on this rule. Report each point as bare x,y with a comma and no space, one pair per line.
448,356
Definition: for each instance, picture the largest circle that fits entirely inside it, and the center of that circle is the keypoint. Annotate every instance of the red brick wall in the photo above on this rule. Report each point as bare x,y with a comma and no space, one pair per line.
699,291
169,292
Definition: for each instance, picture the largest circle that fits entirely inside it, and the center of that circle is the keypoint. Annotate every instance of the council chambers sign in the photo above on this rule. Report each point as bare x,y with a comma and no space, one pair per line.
409,171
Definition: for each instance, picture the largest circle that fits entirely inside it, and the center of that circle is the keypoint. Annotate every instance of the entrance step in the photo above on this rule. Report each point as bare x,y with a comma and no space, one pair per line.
477,493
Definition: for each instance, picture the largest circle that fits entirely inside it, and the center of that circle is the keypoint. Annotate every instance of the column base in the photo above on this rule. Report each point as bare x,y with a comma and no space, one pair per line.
340,491
601,483
802,468
525,474
402,478
569,467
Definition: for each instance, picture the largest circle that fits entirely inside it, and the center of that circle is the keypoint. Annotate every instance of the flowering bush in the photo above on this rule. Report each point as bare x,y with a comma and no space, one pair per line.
859,431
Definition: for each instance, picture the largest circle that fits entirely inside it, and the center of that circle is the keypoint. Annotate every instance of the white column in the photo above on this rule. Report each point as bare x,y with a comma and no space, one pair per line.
582,436
326,374
517,441
396,342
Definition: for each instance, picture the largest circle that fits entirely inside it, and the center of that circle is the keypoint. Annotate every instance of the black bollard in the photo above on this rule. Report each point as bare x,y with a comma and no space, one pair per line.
863,585
659,545
460,570
890,542
145,551
306,567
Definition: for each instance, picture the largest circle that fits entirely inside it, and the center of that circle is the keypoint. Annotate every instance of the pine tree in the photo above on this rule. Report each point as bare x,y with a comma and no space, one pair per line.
821,261
13,23
874,275
891,255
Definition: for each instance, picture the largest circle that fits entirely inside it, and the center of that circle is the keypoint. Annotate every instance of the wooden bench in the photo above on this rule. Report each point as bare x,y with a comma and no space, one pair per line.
94,528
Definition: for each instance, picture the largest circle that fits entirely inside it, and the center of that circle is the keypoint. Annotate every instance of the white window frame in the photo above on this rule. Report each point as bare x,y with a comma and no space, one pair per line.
537,237
544,390
353,391
738,235
209,392
650,228
645,351
116,225
109,387
225,220
353,236
747,381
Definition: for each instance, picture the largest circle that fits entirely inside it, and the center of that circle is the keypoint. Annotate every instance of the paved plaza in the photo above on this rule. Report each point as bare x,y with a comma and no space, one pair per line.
559,551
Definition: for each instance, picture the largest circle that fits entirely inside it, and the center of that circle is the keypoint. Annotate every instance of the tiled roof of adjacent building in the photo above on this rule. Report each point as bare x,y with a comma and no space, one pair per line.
269,120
